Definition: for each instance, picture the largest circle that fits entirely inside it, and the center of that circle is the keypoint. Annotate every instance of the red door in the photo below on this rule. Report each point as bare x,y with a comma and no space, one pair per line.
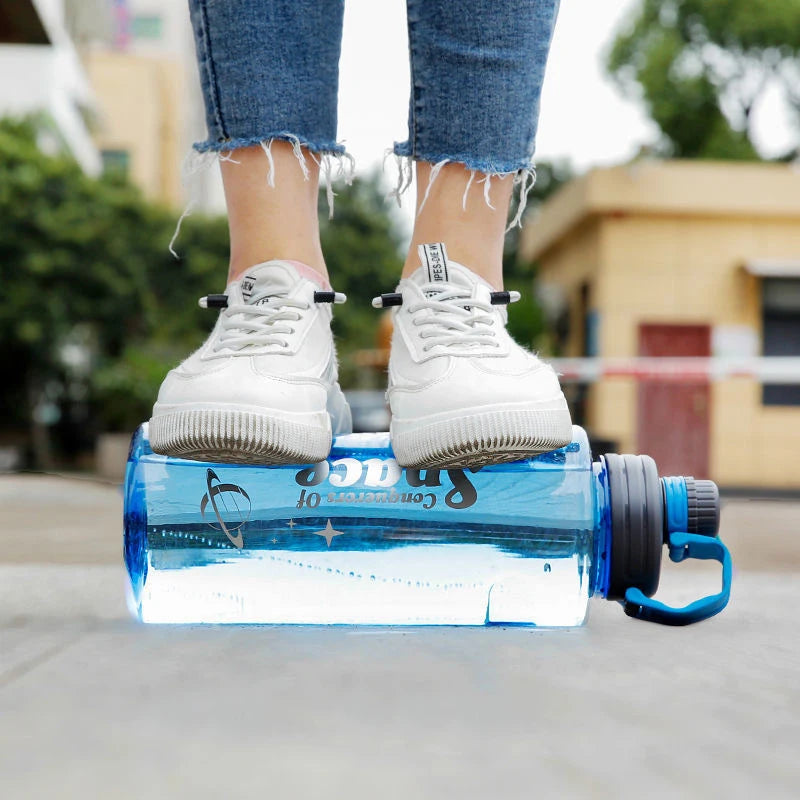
673,424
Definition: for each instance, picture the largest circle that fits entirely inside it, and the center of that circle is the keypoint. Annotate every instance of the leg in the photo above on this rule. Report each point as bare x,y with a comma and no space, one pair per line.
477,70
267,221
264,386
456,212
269,73
462,392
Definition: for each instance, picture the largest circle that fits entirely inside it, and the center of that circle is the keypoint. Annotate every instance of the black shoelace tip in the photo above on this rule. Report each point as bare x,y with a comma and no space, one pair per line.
216,301
392,299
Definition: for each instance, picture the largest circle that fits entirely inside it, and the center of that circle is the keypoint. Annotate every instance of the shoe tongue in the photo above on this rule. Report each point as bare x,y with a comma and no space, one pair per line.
273,277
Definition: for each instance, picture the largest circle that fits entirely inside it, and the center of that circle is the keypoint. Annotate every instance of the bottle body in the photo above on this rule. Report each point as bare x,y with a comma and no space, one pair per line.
356,539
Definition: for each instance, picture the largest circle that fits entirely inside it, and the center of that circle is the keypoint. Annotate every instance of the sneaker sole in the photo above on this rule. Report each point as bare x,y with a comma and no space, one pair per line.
480,439
237,437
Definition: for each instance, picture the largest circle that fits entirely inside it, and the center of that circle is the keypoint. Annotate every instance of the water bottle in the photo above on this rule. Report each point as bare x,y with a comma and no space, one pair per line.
357,539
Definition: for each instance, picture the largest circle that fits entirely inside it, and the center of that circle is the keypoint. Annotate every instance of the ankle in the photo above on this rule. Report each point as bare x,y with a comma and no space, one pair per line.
467,211
309,257
482,258
271,195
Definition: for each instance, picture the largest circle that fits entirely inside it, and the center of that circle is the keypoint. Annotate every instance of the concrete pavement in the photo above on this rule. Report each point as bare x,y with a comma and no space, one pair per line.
94,705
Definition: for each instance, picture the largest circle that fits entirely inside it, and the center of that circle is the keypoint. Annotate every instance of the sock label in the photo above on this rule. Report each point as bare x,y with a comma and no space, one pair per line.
434,258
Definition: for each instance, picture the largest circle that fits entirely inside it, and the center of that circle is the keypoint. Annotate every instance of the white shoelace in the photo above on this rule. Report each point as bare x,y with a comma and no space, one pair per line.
455,319
258,324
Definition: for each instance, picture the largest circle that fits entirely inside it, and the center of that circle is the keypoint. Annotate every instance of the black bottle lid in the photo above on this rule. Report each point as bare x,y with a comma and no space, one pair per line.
637,524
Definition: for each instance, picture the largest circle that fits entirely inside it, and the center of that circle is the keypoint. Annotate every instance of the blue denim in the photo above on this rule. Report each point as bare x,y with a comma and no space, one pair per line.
270,70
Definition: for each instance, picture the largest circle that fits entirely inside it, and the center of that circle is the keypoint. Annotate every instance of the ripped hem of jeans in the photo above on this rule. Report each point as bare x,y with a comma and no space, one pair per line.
523,172
204,155
228,145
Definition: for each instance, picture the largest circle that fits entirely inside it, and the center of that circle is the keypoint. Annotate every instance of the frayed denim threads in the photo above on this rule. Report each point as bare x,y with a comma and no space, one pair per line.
228,145
202,158
524,176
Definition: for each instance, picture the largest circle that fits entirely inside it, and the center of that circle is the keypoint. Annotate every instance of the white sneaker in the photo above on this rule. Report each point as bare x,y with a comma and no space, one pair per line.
263,388
462,392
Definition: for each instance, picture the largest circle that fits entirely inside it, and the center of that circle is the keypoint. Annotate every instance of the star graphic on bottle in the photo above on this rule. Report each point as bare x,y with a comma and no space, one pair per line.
291,523
328,532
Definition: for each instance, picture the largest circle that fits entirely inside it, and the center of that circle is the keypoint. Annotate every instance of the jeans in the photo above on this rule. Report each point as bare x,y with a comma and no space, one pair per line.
270,69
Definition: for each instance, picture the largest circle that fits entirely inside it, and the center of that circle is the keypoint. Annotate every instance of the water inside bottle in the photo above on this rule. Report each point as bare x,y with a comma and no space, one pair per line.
357,540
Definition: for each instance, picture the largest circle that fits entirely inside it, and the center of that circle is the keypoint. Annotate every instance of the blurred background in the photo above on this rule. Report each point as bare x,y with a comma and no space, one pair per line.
665,224
659,265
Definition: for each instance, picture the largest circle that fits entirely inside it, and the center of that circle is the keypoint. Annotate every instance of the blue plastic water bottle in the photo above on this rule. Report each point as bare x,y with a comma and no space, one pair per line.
357,539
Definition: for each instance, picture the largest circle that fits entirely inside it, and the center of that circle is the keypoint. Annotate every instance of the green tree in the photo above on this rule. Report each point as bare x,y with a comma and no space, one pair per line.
526,321
700,67
125,381
362,251
65,259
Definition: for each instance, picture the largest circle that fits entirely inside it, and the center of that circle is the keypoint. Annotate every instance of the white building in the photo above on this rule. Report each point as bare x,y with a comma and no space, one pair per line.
162,28
140,58
40,73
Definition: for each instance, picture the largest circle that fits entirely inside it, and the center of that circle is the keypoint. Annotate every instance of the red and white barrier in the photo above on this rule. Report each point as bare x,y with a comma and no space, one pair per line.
768,369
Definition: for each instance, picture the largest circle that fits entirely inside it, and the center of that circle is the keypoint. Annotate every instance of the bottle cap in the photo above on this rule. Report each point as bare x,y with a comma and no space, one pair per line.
703,502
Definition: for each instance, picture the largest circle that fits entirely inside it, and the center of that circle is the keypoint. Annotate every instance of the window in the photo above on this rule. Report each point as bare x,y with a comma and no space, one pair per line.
781,311
116,162
146,26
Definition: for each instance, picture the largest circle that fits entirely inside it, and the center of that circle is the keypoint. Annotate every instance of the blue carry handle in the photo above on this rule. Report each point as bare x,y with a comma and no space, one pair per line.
683,546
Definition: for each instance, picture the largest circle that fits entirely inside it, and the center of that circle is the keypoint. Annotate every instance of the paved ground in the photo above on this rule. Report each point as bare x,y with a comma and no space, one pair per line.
94,705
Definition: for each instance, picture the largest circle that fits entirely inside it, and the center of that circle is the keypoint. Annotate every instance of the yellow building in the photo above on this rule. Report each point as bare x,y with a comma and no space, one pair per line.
682,258
142,100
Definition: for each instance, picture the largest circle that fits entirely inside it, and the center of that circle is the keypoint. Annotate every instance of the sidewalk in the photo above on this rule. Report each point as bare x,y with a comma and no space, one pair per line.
94,705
